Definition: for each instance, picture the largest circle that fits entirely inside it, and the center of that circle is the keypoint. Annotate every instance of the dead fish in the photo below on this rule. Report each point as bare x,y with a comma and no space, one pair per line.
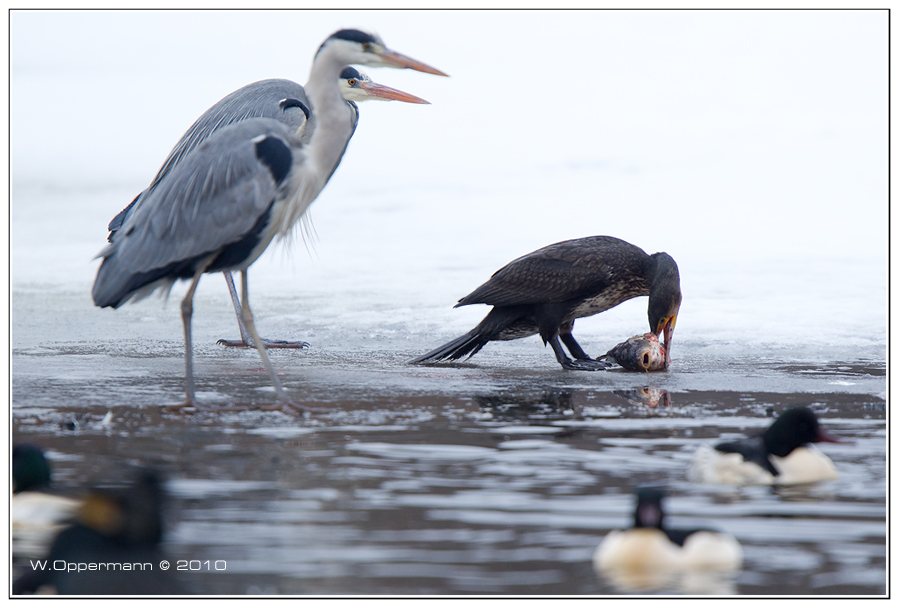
642,353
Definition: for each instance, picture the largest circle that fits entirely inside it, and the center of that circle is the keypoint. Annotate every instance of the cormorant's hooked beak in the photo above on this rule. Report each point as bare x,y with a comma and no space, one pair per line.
397,60
375,91
666,328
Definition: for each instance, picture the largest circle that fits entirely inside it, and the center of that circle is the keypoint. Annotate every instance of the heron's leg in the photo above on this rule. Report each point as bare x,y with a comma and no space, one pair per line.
245,338
246,341
247,318
187,309
578,364
229,280
565,335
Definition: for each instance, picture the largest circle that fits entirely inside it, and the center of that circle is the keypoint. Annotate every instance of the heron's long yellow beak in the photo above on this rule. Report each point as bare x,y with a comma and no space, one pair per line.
377,91
398,60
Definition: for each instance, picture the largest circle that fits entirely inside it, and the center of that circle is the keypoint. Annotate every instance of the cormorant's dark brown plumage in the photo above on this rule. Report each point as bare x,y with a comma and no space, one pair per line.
544,292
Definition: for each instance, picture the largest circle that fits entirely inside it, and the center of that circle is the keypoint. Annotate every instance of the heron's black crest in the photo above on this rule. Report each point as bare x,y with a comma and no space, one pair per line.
351,36
276,155
350,72
294,103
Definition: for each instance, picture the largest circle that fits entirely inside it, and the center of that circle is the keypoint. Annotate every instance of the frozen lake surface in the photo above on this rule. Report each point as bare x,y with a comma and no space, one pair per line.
499,475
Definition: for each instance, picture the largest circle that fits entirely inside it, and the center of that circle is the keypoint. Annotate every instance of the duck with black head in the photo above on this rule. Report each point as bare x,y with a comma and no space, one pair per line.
651,555
39,511
782,454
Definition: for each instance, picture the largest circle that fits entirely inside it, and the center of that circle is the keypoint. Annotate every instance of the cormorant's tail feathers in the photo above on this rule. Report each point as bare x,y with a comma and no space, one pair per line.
466,345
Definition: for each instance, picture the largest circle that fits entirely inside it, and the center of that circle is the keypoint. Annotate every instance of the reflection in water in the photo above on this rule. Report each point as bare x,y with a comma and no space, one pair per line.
558,403
646,396
656,580
549,405
506,494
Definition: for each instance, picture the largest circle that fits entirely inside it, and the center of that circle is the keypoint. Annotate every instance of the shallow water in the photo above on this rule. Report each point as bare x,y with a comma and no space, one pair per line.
493,478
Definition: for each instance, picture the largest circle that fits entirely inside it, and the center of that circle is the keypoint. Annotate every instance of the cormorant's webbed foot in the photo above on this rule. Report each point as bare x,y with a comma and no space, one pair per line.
270,344
585,364
580,363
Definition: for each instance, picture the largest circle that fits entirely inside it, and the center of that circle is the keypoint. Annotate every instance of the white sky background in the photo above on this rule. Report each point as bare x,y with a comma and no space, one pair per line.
772,119
727,138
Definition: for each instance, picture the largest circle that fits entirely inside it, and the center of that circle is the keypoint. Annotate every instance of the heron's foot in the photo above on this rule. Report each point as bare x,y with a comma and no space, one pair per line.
196,405
586,364
289,406
269,344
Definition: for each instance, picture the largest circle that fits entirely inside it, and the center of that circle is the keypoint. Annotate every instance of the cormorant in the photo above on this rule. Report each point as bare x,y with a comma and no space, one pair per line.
544,292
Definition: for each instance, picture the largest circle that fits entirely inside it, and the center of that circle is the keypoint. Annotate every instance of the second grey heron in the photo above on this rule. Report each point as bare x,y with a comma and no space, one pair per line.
220,205
287,102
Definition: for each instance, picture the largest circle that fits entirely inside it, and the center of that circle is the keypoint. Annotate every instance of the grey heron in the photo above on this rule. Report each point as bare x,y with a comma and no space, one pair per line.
544,292
218,205
355,86
288,102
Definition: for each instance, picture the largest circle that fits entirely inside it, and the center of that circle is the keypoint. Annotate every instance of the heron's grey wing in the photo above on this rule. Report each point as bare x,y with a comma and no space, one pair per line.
278,99
213,199
560,272
117,222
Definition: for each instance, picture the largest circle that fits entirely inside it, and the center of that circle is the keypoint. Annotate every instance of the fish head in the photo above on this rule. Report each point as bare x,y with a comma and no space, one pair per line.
642,353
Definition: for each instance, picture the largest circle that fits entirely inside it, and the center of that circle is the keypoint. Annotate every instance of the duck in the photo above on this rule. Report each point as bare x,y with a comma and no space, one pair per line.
652,555
38,513
118,525
783,454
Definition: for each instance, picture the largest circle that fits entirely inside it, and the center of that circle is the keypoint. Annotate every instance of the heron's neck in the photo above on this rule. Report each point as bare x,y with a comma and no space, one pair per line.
334,122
